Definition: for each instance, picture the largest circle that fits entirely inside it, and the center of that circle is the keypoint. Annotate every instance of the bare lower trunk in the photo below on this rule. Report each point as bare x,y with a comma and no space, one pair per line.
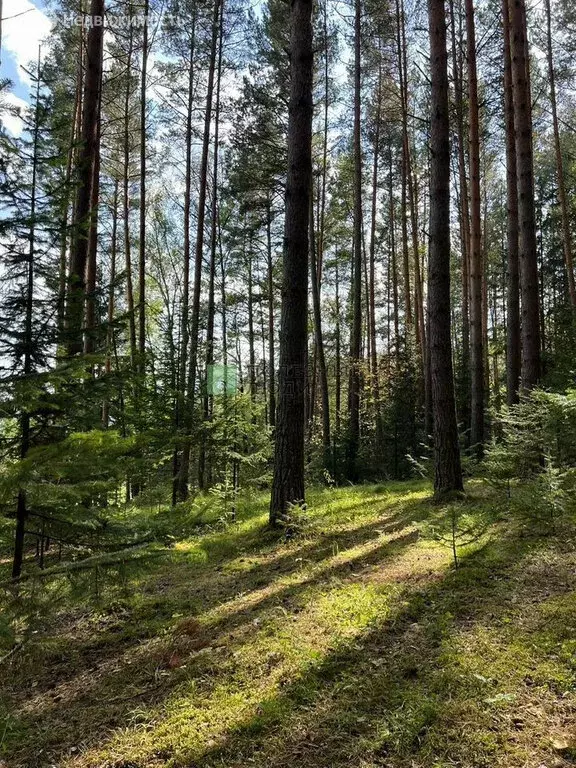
448,473
475,251
184,319
204,465
319,339
142,227
527,247
288,483
271,353
111,303
197,285
353,438
126,185
91,266
566,233
513,289
86,161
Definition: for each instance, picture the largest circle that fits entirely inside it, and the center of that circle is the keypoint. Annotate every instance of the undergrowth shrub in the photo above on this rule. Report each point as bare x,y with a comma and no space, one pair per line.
534,461
296,521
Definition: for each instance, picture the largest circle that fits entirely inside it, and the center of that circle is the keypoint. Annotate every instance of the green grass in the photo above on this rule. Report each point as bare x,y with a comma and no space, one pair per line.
355,644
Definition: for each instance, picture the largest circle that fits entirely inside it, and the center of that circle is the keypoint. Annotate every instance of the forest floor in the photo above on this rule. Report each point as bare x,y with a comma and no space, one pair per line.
355,643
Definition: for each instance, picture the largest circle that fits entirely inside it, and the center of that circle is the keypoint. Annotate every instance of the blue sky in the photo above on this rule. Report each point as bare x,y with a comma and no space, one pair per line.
24,26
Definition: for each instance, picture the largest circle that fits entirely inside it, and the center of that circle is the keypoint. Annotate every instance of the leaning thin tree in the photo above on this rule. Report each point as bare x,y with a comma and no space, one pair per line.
448,472
288,484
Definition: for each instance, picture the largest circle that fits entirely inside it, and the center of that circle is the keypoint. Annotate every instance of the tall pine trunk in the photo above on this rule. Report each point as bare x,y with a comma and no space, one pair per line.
111,303
271,351
21,505
319,339
448,472
372,269
142,224
67,193
199,250
92,261
83,219
288,483
464,374
184,320
353,441
126,202
566,233
527,245
204,467
475,251
513,354
405,164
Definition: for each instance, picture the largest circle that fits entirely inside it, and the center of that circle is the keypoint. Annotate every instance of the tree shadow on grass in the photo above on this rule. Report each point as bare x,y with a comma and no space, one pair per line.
95,686
382,695
396,695
195,587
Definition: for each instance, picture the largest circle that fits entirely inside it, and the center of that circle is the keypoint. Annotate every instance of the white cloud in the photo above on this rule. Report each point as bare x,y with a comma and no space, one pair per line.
24,28
13,123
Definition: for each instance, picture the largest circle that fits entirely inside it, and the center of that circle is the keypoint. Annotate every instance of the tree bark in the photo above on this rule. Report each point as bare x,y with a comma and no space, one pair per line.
319,339
372,268
251,335
513,355
184,322
111,303
126,185
21,506
271,351
86,161
353,438
566,234
195,314
457,66
448,473
63,264
204,467
475,250
142,227
337,351
92,263
393,264
527,246
288,482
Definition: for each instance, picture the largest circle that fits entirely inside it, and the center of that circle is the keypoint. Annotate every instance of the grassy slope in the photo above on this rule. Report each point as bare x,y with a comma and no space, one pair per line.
355,645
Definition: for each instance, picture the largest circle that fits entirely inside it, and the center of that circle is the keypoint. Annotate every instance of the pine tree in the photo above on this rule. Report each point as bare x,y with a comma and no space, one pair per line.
288,482
448,473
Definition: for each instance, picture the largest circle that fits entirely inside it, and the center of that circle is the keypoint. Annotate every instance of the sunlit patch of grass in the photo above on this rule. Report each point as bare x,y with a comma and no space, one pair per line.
354,644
